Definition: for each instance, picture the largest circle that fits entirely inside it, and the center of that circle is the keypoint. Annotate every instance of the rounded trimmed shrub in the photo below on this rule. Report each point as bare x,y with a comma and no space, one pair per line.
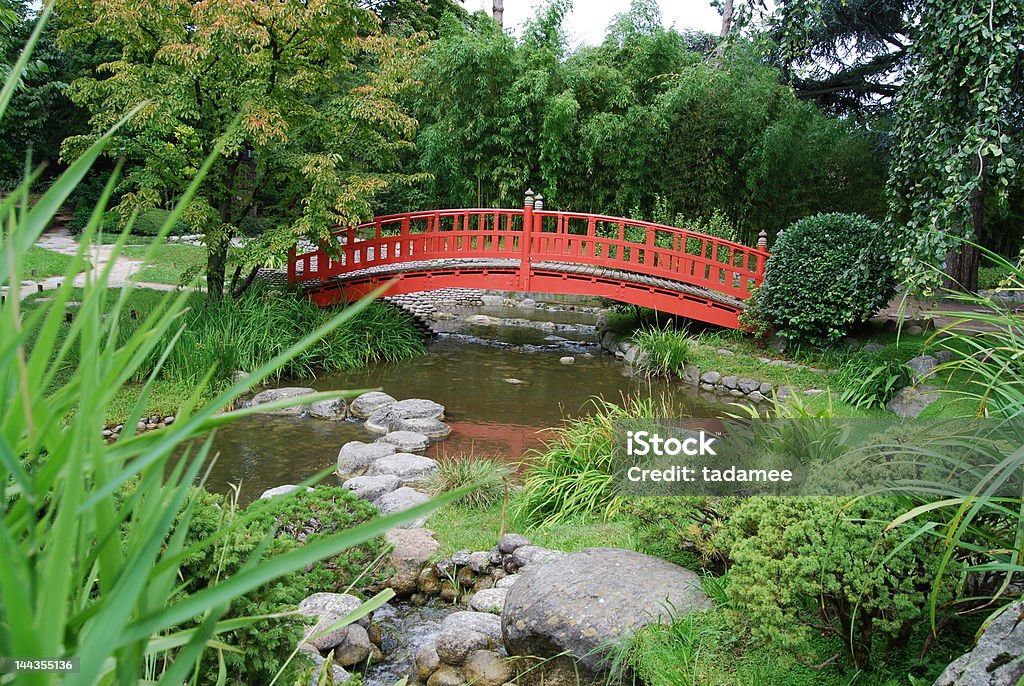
827,273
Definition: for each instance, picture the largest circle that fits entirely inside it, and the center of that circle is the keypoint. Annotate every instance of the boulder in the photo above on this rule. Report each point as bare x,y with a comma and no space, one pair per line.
427,662
405,441
583,602
509,542
567,359
489,600
748,385
337,671
401,500
372,487
480,562
434,429
411,550
691,374
381,420
463,633
910,401
532,554
730,382
711,377
922,366
446,675
411,469
996,660
275,394
355,457
328,609
354,648
507,581
368,403
281,490
331,410
487,668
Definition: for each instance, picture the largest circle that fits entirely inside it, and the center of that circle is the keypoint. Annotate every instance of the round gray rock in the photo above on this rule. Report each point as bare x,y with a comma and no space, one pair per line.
489,600
368,403
434,429
281,490
487,668
509,542
372,487
328,609
401,500
583,602
463,633
533,554
406,441
275,394
330,410
381,420
354,648
996,659
411,469
411,551
355,457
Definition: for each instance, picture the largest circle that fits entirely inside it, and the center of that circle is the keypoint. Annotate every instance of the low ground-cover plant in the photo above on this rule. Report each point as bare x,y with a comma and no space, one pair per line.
488,477
826,273
805,566
872,380
267,647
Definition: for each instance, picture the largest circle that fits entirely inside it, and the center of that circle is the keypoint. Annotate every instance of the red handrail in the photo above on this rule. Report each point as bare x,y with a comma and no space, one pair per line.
531,235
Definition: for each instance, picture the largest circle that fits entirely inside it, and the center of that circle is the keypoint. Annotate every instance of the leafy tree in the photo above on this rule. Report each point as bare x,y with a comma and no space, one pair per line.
313,83
958,131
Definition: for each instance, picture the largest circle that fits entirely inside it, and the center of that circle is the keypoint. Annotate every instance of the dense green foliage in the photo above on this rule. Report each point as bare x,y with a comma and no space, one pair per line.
806,565
615,128
266,647
297,99
827,273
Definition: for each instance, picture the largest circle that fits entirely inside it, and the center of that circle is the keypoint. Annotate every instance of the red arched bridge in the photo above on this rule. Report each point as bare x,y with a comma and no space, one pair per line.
540,251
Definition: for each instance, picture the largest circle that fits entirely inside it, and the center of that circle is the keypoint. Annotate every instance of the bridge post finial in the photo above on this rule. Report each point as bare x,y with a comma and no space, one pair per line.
538,203
528,202
762,239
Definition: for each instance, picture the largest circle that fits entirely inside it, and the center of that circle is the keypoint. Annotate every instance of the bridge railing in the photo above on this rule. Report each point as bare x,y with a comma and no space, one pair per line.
532,235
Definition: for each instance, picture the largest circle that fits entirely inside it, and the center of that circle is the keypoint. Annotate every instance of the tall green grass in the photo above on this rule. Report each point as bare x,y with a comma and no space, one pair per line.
983,524
571,476
666,351
93,535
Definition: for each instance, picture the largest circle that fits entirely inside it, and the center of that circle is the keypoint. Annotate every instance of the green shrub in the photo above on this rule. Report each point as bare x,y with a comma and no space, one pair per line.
666,351
990,278
150,222
307,517
804,567
826,273
265,647
486,476
681,530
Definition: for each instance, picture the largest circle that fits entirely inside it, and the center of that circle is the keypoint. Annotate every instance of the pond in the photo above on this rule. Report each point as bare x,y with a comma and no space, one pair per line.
499,401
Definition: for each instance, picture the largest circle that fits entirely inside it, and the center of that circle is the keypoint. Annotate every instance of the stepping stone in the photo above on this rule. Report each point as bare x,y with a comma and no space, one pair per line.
372,487
406,441
275,394
381,420
411,469
355,456
368,403
434,429
281,490
401,500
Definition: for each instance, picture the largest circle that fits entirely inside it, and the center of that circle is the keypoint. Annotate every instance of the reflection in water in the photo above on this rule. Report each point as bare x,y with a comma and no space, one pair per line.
498,403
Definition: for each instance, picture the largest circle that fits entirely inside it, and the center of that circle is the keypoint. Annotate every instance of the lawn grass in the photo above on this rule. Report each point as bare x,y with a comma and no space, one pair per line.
171,263
462,528
46,263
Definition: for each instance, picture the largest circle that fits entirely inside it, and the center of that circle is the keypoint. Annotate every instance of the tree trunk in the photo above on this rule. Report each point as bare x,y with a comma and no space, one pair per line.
498,9
216,264
962,261
727,7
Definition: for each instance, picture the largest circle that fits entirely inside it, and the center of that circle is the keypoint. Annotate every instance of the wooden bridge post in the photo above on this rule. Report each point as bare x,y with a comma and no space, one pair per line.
524,242
291,265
